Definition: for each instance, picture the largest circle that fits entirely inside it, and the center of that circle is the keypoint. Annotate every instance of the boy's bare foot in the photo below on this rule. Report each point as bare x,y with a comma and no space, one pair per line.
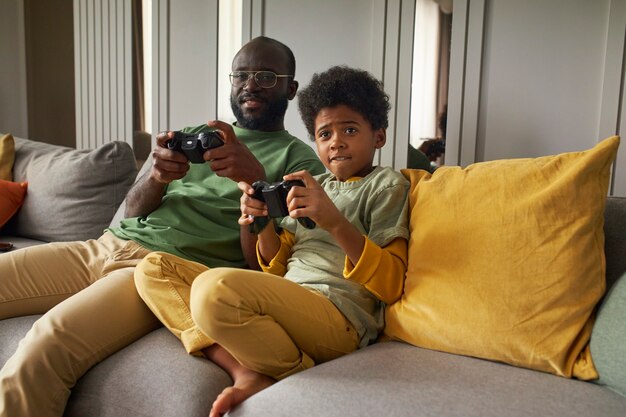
246,384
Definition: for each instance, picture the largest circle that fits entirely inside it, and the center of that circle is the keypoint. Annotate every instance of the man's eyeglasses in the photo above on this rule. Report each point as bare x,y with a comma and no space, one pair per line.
264,79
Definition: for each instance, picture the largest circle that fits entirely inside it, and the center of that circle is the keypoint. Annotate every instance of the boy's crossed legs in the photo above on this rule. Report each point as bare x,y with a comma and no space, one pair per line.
268,327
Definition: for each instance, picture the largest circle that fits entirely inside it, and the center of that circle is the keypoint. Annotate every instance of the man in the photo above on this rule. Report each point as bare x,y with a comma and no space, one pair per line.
86,289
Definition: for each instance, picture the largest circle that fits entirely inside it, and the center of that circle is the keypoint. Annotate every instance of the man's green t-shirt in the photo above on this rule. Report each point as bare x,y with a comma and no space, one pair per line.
197,218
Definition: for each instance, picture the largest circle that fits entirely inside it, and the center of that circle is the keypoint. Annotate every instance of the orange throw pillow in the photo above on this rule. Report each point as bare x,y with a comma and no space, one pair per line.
12,196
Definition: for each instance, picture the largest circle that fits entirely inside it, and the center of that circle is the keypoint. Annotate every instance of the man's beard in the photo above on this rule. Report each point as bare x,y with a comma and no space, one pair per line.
272,115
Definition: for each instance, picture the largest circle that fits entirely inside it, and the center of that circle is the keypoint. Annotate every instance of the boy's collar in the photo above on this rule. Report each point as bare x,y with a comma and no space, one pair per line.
355,178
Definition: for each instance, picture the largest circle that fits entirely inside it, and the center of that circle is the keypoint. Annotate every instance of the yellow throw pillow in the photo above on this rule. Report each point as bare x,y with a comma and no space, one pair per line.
506,260
7,156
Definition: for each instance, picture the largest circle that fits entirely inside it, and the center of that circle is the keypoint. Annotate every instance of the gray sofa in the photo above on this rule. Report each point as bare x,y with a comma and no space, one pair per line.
155,377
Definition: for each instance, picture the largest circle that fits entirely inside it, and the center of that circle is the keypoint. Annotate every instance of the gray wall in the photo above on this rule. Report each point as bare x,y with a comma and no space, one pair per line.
532,78
527,78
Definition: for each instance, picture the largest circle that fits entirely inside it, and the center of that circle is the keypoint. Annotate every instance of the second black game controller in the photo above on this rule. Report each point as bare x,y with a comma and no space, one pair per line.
275,196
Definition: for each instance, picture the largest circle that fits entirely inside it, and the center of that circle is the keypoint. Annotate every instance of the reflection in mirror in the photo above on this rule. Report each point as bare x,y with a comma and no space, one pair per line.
429,88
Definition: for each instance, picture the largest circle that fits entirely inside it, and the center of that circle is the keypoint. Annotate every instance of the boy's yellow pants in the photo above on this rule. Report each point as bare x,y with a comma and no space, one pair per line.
268,323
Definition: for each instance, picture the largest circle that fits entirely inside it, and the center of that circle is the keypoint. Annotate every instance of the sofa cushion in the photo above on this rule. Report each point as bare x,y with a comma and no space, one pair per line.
72,194
506,260
398,380
7,154
608,338
152,377
11,198
20,242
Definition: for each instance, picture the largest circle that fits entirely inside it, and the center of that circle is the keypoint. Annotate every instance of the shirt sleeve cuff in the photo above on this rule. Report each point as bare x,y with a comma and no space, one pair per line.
366,265
278,264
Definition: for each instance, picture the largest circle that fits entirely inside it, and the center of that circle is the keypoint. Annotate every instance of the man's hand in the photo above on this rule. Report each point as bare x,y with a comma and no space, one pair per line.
233,160
168,165
147,192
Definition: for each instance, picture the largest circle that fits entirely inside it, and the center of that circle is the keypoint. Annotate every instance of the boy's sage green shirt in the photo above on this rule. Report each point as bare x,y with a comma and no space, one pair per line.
377,205
197,218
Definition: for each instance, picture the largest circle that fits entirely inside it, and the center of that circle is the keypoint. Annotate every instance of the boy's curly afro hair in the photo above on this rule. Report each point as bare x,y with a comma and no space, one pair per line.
355,88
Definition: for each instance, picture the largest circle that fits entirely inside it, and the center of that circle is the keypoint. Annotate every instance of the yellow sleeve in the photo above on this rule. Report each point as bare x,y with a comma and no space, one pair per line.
278,265
380,270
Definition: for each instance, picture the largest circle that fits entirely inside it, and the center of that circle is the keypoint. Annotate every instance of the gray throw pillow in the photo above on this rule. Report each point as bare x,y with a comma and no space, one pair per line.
72,194
608,339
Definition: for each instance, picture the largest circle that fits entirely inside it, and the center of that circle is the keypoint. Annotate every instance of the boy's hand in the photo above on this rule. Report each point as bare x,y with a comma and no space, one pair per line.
312,201
269,242
233,160
250,206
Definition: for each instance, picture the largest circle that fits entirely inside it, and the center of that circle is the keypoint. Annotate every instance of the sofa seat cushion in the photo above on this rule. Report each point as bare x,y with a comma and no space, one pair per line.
72,194
152,377
20,242
397,379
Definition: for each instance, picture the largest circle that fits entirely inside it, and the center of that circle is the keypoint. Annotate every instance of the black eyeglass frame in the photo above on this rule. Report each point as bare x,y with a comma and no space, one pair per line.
256,79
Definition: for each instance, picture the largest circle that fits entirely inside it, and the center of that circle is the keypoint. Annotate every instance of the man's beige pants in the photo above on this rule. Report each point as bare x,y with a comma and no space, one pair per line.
92,310
268,323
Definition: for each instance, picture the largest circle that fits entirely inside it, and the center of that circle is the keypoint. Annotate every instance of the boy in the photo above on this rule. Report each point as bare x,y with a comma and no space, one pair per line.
322,291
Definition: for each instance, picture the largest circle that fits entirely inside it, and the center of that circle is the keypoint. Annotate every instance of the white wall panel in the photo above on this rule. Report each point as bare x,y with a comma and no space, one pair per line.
13,97
398,61
192,62
160,67
611,121
103,72
321,34
456,86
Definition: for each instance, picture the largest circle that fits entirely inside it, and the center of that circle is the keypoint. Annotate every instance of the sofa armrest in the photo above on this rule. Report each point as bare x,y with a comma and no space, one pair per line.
119,214
615,239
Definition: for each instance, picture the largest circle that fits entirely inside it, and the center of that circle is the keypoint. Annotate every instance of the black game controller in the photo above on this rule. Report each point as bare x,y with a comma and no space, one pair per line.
275,196
194,145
